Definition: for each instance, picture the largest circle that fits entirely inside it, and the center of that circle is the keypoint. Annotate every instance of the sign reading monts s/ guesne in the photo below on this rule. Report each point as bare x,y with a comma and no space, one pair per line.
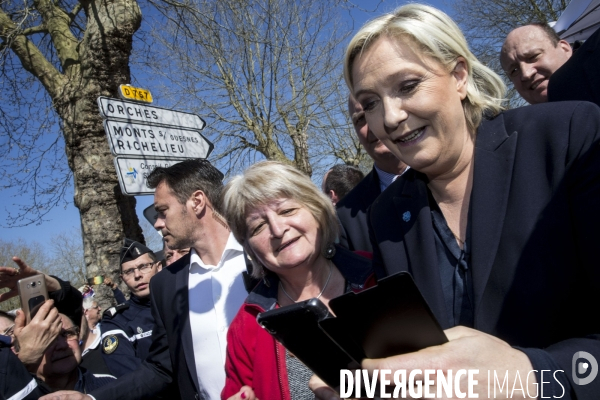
130,139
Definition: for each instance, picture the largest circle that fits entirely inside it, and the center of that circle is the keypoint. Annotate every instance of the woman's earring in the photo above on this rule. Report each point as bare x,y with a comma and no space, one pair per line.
263,276
329,251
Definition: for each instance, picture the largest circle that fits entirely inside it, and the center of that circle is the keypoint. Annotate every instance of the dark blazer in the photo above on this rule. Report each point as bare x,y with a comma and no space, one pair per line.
535,217
352,213
171,357
579,77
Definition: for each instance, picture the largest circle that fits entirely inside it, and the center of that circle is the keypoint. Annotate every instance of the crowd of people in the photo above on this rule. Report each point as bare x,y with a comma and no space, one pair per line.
493,212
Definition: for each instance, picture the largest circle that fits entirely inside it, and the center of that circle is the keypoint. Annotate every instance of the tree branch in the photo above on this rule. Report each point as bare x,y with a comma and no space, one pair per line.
34,29
58,23
30,56
73,14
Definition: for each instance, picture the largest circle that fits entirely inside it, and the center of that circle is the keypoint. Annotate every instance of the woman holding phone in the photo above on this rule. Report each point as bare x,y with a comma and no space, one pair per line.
497,219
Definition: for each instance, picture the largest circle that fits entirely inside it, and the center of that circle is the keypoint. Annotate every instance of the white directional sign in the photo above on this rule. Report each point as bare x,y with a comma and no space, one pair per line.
144,140
137,112
133,172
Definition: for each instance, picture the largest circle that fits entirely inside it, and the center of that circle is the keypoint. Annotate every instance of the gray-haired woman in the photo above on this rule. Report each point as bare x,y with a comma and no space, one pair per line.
288,228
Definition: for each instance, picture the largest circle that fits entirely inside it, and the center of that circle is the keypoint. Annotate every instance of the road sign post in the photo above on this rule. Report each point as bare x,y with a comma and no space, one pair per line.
144,137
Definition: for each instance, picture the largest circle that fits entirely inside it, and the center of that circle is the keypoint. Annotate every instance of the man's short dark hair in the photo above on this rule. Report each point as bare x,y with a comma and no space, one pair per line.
186,177
550,33
342,178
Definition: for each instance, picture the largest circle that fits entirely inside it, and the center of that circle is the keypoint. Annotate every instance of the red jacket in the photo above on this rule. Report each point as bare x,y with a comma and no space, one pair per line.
254,358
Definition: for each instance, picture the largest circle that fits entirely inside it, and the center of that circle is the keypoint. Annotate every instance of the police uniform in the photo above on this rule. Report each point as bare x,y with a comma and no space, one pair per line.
126,335
127,328
15,381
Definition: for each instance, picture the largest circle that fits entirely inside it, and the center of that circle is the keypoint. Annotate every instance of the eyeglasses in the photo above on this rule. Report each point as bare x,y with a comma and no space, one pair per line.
70,334
9,331
144,269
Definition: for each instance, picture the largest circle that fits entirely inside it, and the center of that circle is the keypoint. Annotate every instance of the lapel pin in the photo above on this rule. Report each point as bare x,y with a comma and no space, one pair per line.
406,216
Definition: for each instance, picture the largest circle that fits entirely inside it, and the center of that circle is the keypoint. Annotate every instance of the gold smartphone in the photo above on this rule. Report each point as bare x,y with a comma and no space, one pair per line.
33,293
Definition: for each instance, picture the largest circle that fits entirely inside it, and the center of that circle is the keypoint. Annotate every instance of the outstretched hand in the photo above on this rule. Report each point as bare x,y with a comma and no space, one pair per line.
9,277
467,349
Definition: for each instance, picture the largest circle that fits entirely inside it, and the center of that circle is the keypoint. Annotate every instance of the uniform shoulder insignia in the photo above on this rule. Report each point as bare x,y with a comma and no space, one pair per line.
111,312
110,344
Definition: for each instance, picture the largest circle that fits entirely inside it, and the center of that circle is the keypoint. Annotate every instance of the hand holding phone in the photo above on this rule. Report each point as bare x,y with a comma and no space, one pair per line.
32,339
297,327
33,293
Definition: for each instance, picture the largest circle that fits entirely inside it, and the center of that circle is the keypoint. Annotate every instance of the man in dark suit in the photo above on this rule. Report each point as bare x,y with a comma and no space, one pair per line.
534,237
579,78
194,299
352,209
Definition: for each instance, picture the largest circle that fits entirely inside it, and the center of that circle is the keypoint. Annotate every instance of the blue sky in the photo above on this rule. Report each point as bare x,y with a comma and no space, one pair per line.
64,219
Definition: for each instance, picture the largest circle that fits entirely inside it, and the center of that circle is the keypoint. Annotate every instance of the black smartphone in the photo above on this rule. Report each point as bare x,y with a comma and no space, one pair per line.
297,328
33,293
385,320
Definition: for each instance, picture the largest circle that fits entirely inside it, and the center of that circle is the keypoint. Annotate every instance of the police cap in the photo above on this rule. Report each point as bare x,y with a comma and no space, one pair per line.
132,250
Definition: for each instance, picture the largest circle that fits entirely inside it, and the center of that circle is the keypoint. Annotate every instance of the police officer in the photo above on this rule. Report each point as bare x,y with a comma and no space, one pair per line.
127,328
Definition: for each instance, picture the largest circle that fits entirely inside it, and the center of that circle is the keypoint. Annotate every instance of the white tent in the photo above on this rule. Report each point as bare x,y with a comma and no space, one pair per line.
580,19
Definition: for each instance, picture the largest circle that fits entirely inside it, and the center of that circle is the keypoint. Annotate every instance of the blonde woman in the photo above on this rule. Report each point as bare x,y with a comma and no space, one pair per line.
497,219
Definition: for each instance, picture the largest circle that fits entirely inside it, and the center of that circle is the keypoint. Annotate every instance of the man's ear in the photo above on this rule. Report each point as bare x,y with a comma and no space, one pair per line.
334,197
460,72
566,47
198,200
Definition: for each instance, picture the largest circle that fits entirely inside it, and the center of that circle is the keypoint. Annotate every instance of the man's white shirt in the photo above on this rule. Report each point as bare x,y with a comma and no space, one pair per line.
216,293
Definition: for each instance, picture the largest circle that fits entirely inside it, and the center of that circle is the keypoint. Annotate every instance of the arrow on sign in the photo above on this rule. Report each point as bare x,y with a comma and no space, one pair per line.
130,139
133,173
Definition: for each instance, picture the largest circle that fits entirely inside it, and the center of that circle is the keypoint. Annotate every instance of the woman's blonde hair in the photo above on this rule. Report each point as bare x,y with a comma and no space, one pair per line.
434,34
267,181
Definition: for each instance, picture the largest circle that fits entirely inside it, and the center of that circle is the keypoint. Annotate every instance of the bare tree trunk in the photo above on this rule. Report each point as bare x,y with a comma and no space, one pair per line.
106,214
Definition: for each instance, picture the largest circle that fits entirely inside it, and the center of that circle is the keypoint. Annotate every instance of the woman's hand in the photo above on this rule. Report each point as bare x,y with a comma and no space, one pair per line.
468,349
245,393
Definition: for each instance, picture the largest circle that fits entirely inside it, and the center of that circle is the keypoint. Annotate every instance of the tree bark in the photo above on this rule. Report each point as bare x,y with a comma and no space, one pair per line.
107,216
